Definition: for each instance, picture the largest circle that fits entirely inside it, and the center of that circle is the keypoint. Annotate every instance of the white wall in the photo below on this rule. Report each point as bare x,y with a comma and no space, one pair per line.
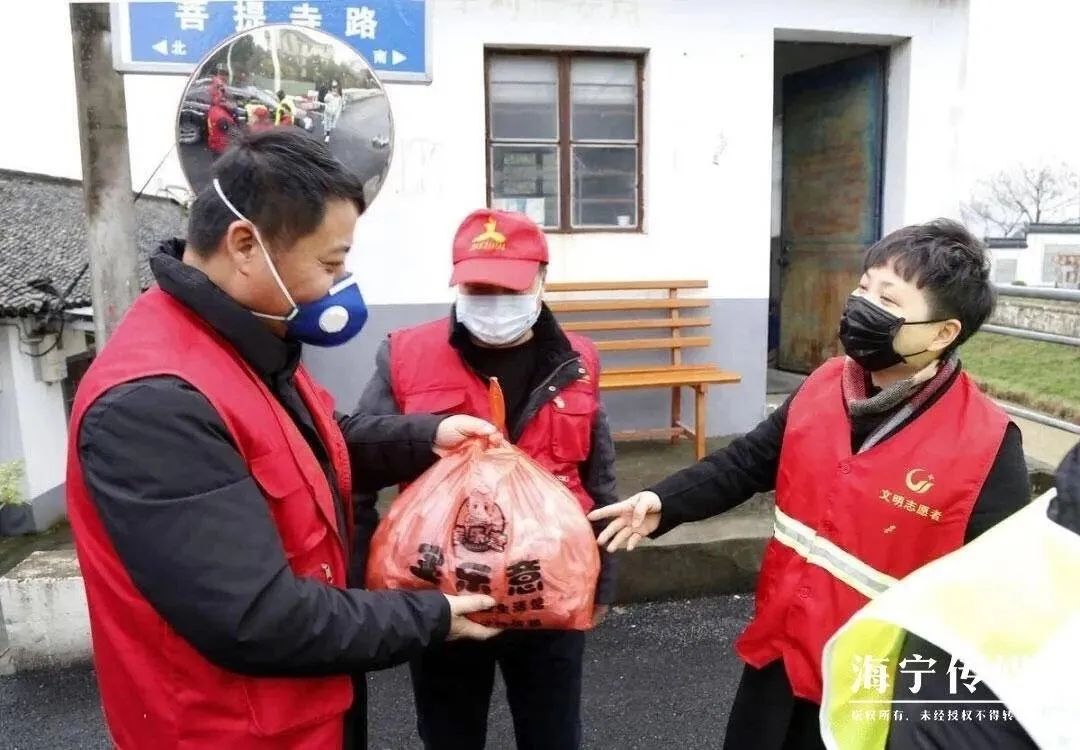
1038,244
1005,254
1030,261
708,128
42,423
10,443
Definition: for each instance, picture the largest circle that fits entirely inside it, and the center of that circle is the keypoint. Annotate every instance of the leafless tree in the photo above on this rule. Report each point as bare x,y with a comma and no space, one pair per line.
1012,198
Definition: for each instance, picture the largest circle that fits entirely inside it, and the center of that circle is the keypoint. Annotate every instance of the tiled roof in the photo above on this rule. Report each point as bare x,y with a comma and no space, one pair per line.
43,235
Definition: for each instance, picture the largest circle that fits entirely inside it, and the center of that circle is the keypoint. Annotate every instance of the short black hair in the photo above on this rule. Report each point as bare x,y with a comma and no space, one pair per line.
945,260
281,180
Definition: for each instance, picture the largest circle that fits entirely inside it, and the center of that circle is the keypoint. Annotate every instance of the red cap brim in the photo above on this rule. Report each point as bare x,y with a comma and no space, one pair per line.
518,275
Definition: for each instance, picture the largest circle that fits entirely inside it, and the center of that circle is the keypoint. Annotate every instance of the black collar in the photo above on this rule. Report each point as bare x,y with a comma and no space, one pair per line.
269,355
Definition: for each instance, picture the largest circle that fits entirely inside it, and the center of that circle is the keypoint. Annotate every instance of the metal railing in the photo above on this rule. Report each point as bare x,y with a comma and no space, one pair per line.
1047,293
1035,416
1023,333
1038,292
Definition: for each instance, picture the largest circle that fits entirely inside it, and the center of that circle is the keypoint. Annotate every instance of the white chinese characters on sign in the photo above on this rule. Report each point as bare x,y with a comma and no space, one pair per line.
306,14
871,674
179,48
915,661
379,56
961,674
360,22
874,674
192,16
248,15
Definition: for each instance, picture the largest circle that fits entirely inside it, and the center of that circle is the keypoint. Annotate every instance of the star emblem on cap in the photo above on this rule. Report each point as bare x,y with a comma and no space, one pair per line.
490,239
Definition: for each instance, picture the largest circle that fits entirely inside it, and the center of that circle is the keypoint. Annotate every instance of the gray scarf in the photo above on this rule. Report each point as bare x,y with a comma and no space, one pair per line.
911,393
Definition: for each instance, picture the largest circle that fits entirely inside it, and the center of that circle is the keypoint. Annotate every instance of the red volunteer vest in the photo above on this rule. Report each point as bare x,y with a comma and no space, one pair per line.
847,526
156,690
427,375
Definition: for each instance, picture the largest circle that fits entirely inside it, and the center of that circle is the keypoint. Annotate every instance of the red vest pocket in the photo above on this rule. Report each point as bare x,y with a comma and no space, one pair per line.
284,704
443,401
291,501
571,425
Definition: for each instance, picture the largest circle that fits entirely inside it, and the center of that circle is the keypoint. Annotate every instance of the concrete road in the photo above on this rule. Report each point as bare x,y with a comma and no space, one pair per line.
656,676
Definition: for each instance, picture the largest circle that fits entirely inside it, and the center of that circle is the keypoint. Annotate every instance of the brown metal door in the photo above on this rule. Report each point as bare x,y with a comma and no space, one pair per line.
833,131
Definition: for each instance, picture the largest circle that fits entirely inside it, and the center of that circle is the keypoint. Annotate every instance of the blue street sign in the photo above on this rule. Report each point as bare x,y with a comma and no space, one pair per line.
160,37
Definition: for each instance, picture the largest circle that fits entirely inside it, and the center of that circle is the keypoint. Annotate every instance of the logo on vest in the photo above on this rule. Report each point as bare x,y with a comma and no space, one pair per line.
480,525
920,481
490,239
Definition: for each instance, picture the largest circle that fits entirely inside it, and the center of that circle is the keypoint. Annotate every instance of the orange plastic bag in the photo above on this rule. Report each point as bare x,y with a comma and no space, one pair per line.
488,519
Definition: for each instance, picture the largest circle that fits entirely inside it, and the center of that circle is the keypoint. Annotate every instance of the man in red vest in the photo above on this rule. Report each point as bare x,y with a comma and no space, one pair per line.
882,461
221,126
500,328
209,478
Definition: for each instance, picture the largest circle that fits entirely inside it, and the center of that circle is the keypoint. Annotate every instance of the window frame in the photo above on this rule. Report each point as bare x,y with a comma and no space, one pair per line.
564,145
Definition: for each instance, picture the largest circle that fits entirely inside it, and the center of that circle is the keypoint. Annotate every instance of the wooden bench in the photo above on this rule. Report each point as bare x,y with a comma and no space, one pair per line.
669,317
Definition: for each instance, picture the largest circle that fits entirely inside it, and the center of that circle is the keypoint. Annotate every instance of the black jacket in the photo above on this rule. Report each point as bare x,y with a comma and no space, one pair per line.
552,368
1065,507
194,531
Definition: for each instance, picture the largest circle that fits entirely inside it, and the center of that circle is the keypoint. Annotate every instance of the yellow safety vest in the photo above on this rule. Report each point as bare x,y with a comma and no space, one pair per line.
1007,606
284,107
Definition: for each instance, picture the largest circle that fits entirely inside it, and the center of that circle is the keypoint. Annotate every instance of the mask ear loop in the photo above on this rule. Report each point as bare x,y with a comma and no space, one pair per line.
266,254
920,323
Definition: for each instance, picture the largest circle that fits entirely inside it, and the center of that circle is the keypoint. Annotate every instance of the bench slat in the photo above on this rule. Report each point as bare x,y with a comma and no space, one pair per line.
631,325
627,381
656,433
615,305
618,286
659,368
631,345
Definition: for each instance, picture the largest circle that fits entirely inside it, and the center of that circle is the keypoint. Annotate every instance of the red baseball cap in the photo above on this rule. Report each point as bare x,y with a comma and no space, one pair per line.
501,248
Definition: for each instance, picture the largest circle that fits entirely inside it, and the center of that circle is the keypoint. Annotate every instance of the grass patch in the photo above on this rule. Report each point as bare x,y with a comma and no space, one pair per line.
14,549
1035,374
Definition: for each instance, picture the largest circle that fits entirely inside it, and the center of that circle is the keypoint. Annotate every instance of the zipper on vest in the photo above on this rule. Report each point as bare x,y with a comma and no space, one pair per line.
328,572
546,392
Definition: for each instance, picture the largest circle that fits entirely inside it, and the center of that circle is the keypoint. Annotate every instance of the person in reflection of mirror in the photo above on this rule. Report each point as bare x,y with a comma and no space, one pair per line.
882,461
499,327
221,77
285,113
333,106
260,119
221,125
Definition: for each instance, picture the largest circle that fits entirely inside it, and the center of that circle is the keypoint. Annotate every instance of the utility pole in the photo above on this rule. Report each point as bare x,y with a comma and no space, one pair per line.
106,169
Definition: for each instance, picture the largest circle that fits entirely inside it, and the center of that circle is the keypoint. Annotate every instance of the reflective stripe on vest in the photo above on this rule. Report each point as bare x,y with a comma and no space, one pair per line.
1007,606
805,542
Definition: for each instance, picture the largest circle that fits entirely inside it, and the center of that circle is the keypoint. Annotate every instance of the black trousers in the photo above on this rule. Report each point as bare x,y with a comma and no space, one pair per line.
766,715
356,717
452,685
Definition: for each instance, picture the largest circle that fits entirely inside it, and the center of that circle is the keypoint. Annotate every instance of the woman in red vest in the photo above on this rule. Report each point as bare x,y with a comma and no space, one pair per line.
500,328
882,461
210,479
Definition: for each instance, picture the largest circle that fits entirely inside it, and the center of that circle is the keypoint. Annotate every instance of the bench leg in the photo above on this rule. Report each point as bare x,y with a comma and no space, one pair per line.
676,412
700,430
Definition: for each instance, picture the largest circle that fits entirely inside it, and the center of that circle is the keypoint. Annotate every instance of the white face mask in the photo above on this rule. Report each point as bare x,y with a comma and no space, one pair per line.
498,319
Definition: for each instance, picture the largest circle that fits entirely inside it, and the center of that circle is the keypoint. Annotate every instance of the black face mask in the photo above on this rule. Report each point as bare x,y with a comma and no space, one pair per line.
867,333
